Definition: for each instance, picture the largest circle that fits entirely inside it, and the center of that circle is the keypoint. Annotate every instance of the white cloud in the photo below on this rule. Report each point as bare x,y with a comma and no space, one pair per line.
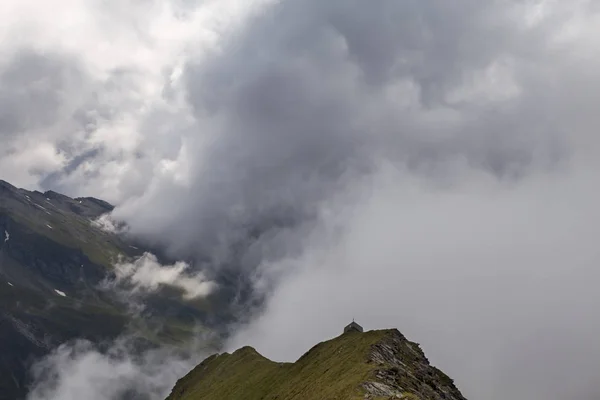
146,274
81,370
106,223
119,64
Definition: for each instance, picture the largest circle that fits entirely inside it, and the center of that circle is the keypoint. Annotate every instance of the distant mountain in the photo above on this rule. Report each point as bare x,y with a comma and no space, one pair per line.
372,365
53,259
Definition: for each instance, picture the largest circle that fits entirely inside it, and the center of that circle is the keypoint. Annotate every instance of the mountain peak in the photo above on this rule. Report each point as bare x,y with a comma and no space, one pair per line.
355,365
4,184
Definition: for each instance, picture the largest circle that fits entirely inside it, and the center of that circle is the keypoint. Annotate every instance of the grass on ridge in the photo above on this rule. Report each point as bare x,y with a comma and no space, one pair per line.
331,370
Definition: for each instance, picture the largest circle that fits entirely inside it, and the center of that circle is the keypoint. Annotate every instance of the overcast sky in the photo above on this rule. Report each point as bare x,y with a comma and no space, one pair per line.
426,165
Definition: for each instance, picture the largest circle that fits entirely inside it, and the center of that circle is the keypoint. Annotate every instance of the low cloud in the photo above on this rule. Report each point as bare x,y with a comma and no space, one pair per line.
496,280
82,370
146,275
107,224
129,367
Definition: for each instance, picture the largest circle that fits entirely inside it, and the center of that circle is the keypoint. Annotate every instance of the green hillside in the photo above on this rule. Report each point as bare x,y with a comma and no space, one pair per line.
375,365
54,258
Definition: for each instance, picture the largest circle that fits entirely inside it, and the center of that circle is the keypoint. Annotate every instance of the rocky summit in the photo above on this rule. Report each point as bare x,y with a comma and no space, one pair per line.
373,365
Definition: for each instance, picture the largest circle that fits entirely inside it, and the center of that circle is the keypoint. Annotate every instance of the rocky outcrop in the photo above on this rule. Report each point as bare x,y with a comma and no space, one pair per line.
403,371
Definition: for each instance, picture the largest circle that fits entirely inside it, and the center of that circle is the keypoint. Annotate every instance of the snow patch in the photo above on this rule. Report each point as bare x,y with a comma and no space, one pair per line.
60,293
49,226
10,284
6,236
39,206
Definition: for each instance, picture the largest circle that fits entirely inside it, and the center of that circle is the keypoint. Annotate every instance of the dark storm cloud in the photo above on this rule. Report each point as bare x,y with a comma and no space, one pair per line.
313,94
324,129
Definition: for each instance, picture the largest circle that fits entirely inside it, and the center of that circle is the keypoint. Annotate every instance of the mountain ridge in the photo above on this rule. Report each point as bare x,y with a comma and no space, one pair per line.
54,260
378,364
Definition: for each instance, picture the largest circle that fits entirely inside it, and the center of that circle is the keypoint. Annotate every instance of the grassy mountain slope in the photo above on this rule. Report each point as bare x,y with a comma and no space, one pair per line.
53,258
375,364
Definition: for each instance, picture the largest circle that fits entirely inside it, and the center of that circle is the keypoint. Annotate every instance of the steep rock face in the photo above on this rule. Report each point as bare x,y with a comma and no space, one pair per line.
372,365
403,368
